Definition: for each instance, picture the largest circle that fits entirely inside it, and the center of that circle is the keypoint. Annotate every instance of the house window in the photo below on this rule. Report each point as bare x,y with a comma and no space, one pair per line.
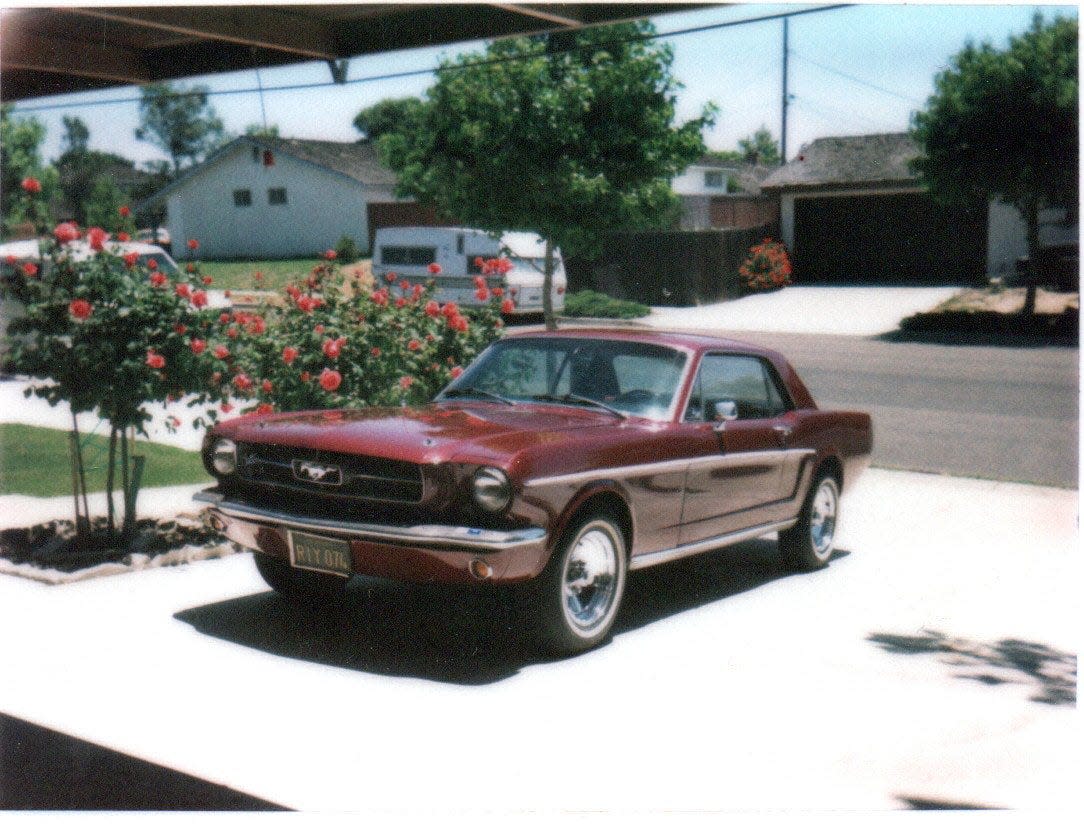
276,197
714,180
242,197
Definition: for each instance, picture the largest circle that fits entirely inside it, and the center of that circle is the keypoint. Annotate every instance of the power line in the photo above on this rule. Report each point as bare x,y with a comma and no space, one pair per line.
822,108
857,80
442,69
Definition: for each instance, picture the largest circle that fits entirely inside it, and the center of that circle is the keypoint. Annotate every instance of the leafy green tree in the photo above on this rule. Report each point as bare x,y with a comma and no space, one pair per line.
760,148
1002,123
180,121
20,159
259,130
393,115
570,144
103,204
76,135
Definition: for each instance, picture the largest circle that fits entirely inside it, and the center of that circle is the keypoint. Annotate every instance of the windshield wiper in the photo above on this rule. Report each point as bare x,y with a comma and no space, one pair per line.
468,391
569,397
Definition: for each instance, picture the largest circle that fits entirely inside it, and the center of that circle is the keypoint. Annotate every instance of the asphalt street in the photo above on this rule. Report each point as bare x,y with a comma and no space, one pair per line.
1003,413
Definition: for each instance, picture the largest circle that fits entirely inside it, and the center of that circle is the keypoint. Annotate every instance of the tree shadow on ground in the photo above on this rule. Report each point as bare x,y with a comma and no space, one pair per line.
1008,661
462,635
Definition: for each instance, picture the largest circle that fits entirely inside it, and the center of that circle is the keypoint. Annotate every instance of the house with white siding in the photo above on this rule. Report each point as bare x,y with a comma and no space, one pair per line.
262,197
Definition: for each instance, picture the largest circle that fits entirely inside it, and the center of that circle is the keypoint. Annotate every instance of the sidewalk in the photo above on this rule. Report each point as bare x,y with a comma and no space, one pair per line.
763,690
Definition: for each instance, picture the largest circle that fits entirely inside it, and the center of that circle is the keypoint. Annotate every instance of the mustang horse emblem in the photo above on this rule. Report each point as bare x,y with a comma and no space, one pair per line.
317,473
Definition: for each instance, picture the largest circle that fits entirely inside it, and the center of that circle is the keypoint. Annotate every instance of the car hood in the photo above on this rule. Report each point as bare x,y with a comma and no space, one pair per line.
465,432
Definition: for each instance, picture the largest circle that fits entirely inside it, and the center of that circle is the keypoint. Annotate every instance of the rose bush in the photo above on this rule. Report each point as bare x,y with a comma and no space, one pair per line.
767,266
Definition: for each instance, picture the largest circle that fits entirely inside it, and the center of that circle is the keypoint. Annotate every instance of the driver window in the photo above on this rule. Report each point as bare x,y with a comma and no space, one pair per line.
739,378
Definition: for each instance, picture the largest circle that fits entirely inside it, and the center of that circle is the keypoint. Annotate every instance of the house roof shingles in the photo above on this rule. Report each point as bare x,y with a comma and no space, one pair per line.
359,161
863,161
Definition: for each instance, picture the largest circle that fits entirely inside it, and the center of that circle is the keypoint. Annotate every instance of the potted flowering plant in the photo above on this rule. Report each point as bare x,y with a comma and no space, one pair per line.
766,267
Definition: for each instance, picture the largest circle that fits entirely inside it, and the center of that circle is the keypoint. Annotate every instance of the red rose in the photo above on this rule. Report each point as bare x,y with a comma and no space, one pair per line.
97,238
193,244
154,360
430,337
305,377
266,386
318,329
330,380
457,371
183,290
508,306
257,326
152,264
66,232
124,211
400,303
257,276
207,280
80,309
405,382
434,268
226,407
224,317
432,308
11,260
289,354
460,324
479,282
199,298
158,280
333,348
198,346
498,292
30,269
264,409
482,295
180,328
306,304
123,237
379,297
190,268
450,310
221,352
330,254
414,345
242,381
375,352
390,277
231,332
31,185
227,293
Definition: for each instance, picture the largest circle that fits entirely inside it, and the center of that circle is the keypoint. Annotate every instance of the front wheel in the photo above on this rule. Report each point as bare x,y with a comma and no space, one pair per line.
808,544
302,585
576,599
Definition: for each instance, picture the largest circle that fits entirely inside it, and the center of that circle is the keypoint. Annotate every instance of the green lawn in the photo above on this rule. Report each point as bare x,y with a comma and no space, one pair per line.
237,274
34,461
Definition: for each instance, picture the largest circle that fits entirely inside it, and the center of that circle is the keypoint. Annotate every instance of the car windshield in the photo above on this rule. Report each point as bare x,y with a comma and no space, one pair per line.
625,377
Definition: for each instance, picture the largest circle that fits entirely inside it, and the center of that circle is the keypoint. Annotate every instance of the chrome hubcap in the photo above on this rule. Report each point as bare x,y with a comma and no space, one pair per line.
589,584
822,518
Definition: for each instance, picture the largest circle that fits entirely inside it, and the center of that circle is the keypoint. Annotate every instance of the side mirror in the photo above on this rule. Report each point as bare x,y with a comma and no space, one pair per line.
723,411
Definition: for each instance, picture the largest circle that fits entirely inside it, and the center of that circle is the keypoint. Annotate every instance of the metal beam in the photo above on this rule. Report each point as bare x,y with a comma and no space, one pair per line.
262,28
545,14
72,57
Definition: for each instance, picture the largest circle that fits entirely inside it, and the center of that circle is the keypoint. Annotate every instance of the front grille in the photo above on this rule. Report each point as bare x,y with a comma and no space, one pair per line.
335,474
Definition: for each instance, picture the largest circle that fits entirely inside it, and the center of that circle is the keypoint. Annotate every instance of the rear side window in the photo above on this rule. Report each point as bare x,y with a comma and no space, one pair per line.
748,381
408,255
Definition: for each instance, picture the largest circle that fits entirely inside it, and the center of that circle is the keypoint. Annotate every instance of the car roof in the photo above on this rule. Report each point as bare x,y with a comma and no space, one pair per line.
696,341
31,249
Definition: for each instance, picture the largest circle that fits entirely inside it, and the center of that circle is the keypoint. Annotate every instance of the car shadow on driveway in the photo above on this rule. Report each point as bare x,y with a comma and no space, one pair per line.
462,635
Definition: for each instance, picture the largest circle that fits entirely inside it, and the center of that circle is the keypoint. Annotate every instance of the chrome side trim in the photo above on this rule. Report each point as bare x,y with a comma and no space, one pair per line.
684,550
429,535
636,470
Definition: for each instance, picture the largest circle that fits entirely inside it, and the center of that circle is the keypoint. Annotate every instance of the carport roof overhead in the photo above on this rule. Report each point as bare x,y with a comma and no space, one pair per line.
78,48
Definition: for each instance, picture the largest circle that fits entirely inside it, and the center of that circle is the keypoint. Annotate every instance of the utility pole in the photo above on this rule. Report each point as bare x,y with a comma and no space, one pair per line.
786,95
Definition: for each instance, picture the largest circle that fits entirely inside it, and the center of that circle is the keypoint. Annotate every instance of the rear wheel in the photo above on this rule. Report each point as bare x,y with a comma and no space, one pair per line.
808,544
575,601
302,585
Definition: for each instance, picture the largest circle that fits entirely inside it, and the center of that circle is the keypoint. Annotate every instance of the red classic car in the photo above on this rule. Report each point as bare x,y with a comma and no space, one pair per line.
557,462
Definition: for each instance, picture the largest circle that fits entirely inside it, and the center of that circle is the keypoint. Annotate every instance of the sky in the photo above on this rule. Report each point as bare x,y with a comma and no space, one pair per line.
857,70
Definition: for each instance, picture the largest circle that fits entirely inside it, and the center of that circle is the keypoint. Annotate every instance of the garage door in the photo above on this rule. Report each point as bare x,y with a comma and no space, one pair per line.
888,239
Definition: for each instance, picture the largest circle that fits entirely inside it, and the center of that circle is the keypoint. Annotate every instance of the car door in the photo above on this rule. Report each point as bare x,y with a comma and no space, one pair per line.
738,477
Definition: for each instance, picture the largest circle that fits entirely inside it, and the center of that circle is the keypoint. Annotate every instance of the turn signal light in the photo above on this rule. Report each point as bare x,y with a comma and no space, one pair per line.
480,569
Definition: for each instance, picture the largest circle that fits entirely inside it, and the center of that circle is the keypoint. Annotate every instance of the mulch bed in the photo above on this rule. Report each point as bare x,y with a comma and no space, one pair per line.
53,549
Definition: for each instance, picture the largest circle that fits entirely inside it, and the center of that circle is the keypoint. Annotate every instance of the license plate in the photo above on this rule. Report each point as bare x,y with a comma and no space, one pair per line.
321,554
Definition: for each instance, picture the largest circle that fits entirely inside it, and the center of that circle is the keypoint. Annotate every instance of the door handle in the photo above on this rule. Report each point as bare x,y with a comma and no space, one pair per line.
783,430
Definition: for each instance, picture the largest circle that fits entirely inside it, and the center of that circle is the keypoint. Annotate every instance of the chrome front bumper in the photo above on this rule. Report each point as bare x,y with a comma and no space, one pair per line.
429,536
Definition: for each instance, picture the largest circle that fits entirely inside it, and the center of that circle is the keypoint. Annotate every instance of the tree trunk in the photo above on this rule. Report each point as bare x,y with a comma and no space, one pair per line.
124,479
1032,217
547,288
79,482
110,477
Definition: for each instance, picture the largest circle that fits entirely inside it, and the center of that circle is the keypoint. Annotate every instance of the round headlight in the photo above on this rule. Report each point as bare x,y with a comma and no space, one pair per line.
224,457
491,489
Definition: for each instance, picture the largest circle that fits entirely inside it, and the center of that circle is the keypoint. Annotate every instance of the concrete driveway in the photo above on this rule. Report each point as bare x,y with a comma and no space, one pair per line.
932,663
816,310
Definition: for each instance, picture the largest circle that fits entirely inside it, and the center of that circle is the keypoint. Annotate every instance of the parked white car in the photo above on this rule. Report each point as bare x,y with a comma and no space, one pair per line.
409,251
